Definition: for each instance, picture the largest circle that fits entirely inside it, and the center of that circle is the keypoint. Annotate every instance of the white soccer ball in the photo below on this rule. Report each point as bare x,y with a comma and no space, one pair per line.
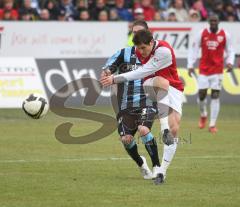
35,106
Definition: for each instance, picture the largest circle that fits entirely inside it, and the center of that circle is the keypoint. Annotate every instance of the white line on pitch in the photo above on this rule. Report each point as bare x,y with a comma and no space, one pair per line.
66,160
115,159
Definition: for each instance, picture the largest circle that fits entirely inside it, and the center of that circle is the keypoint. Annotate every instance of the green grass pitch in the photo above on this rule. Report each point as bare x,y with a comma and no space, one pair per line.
38,171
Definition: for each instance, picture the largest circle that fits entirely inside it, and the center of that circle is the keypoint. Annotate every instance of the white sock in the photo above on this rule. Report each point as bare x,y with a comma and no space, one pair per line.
163,108
215,108
164,123
203,107
168,154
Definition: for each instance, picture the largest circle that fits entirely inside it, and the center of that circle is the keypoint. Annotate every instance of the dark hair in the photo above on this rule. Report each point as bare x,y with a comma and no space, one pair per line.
140,23
142,37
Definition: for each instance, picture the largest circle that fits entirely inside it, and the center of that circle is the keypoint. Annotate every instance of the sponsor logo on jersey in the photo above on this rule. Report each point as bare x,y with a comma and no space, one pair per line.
220,38
212,45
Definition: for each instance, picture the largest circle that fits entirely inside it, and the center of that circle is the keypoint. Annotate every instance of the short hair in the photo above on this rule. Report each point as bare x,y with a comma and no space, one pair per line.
142,37
140,23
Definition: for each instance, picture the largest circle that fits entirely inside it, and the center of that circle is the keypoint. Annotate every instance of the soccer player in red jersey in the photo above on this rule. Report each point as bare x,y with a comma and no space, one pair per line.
158,64
213,42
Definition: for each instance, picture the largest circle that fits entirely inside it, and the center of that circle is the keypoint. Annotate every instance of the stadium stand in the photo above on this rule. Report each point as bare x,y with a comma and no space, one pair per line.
118,10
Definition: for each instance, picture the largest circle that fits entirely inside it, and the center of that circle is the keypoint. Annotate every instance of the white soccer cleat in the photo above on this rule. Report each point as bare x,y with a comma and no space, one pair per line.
144,169
155,171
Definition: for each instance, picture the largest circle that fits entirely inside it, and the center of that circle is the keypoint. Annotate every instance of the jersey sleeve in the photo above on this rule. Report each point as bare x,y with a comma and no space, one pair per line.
114,61
229,49
161,59
194,50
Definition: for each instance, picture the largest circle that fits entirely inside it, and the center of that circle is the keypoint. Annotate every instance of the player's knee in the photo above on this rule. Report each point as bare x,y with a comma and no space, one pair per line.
126,138
161,83
128,141
215,94
202,94
143,130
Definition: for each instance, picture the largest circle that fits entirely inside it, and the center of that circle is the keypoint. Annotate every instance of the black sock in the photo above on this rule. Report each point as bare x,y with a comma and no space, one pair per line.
133,152
152,150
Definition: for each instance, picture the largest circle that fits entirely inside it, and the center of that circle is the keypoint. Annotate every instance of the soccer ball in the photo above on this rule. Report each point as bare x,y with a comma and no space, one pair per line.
35,106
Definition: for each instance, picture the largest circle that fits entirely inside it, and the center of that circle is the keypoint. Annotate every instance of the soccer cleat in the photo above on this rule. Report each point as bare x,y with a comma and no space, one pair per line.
213,129
202,122
159,179
144,169
155,171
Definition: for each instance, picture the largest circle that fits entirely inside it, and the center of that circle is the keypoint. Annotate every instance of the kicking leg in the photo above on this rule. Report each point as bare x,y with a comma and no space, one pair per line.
161,86
157,89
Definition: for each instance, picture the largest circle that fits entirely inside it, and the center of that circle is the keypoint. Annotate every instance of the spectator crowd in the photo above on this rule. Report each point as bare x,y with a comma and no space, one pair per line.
119,10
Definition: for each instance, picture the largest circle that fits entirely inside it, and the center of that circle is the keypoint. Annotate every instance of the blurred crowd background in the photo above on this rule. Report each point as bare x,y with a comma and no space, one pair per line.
119,10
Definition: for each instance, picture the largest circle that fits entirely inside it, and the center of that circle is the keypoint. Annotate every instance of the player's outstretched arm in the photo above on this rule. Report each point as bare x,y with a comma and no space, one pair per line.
230,53
161,59
111,67
193,54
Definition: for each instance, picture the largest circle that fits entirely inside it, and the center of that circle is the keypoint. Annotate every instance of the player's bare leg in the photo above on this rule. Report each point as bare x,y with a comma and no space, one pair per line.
215,108
161,86
202,94
156,89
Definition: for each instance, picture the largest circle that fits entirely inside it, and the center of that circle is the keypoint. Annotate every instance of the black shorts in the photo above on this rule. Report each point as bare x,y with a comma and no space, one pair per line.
130,119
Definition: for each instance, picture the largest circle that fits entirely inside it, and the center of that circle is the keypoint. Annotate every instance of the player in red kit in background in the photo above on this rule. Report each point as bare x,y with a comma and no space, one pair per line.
213,43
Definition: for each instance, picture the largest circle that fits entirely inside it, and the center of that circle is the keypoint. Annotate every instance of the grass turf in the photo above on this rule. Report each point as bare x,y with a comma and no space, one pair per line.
36,170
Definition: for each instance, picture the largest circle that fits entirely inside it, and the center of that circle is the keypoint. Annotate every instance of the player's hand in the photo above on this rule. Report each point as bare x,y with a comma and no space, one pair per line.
127,139
190,71
105,73
106,80
229,67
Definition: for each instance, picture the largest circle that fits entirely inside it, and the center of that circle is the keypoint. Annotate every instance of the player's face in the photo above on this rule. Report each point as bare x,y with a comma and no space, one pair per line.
213,21
137,28
145,49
